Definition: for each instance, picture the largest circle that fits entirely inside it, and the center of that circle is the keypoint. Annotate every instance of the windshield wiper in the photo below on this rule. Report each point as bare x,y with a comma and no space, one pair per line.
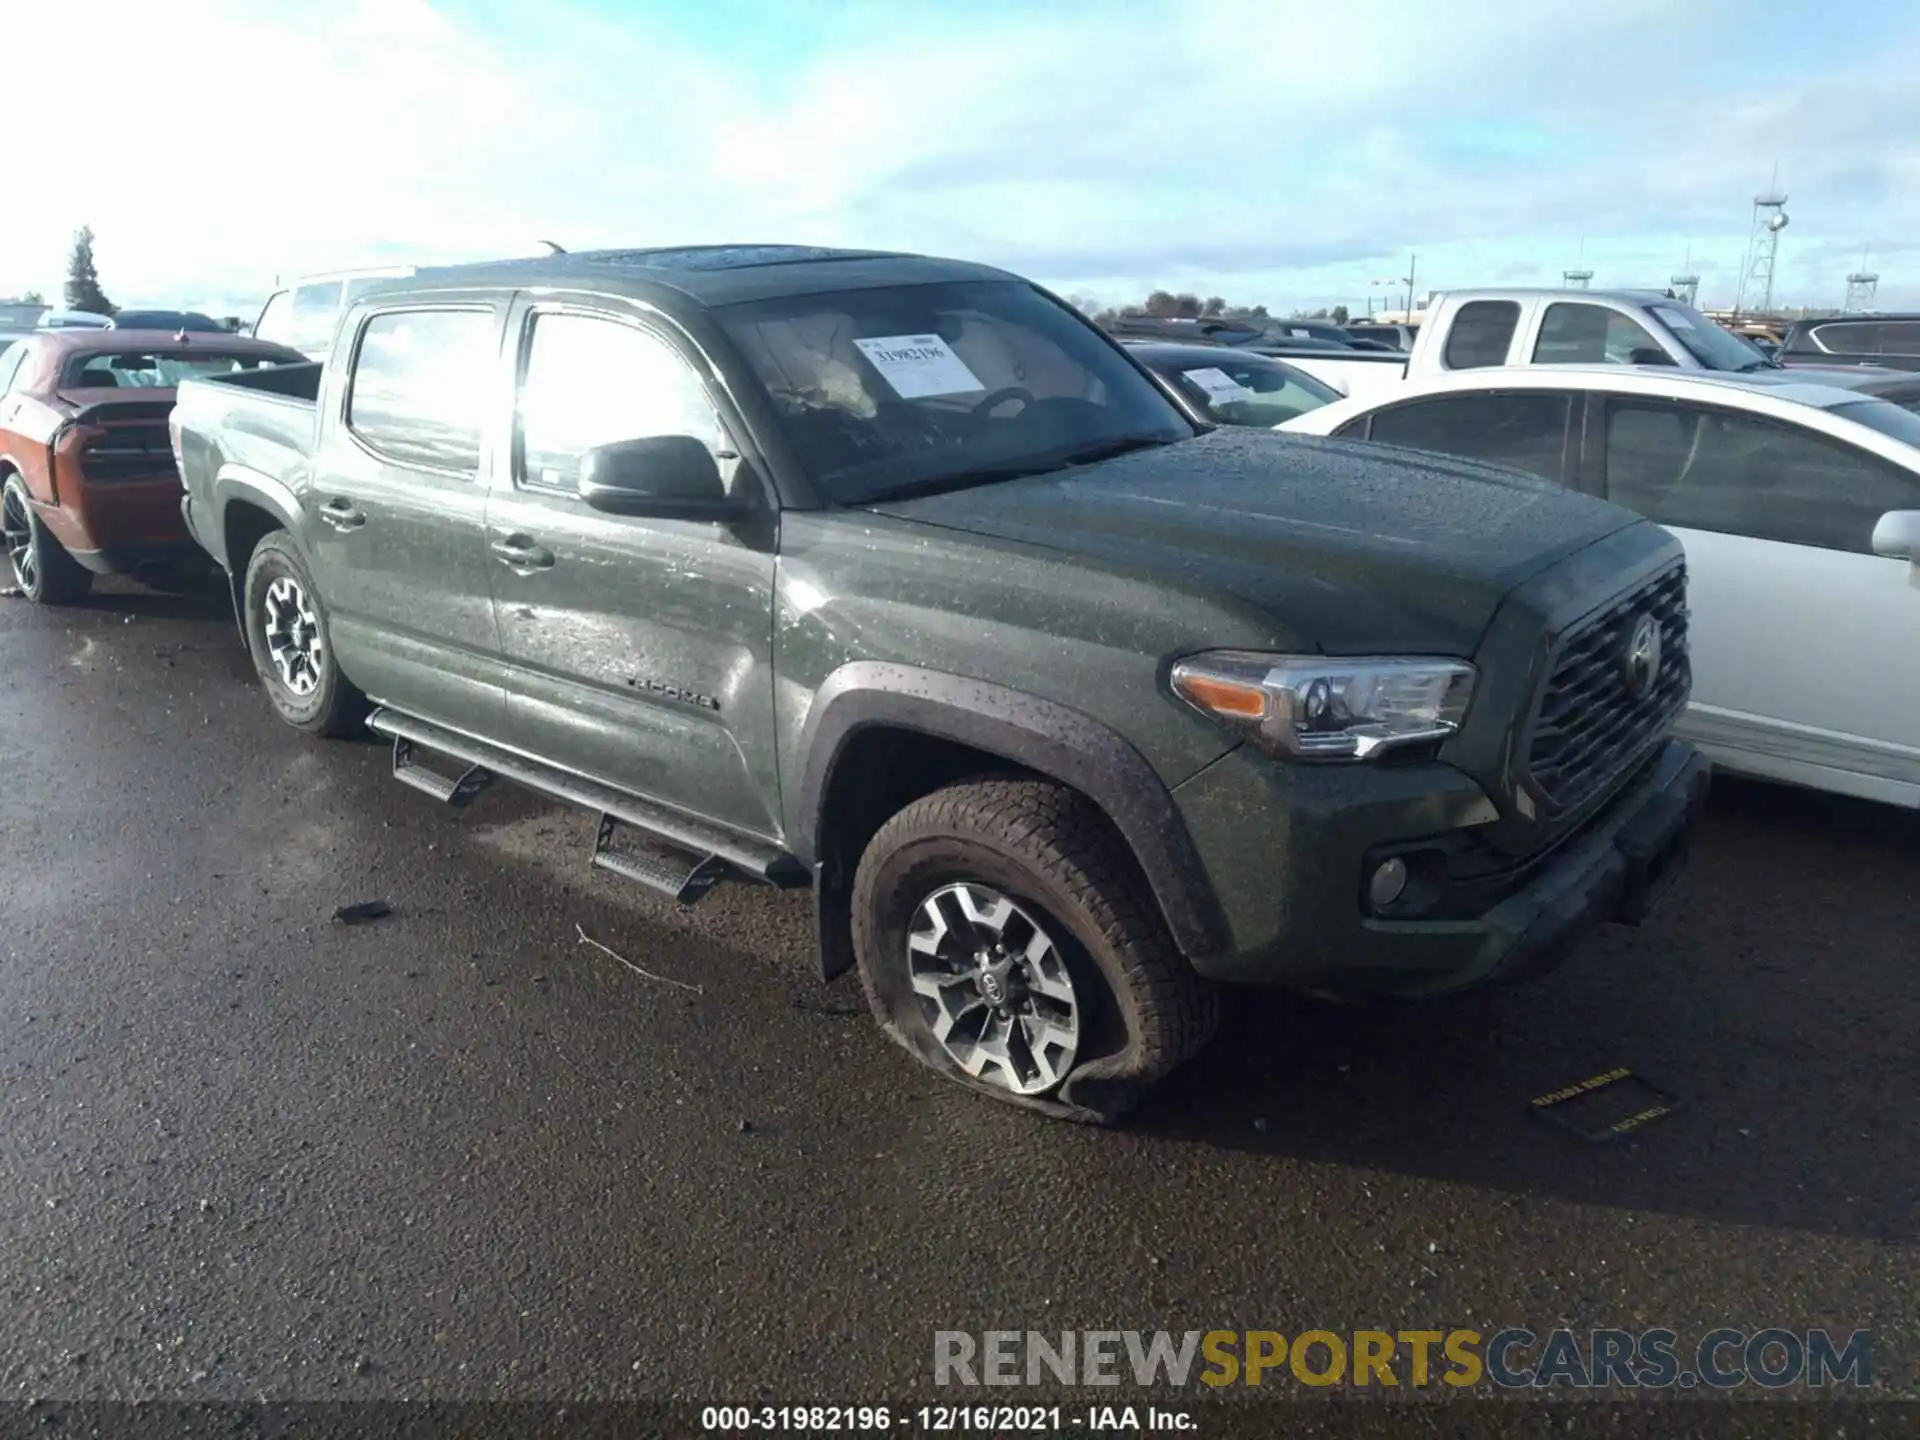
1110,450
1019,469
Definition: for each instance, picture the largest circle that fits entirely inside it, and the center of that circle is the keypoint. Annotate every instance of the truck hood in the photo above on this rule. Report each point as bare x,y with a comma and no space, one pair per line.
1345,546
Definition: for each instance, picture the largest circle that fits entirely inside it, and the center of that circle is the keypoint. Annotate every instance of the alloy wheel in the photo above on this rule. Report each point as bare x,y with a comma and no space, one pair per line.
18,528
292,632
994,988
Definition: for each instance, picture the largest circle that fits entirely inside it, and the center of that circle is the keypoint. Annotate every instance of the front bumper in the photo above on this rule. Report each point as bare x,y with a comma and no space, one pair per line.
1297,919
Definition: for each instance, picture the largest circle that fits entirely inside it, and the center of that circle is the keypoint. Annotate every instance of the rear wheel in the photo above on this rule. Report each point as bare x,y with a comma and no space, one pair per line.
42,568
287,635
1005,937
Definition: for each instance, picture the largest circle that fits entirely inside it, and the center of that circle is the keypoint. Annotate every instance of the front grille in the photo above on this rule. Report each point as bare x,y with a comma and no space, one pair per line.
1590,726
128,452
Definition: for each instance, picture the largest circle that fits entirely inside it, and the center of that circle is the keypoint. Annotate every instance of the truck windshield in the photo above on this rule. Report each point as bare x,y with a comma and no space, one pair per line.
1714,347
912,388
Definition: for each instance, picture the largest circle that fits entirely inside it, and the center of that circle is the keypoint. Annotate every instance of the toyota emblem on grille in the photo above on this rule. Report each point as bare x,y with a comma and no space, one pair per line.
1641,663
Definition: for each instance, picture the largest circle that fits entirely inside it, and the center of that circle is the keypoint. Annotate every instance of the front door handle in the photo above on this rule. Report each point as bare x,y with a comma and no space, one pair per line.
343,514
517,552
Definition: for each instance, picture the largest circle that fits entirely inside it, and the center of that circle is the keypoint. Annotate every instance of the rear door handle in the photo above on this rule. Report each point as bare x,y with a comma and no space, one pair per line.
517,552
343,514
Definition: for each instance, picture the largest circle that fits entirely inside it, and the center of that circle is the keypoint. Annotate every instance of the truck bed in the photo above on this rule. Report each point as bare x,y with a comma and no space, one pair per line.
263,421
1353,372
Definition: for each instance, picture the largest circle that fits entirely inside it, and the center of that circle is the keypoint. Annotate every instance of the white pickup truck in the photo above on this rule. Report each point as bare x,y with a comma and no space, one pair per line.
1478,329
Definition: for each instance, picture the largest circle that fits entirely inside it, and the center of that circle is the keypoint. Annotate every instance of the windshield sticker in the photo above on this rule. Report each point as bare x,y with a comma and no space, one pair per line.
918,366
1221,388
1673,318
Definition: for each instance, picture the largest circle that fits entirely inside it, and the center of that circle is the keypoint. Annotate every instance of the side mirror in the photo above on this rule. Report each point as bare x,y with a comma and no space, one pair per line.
664,477
1897,536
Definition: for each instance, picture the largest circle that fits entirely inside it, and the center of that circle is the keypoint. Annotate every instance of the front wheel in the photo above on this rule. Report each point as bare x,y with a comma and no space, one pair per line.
42,568
1005,936
287,635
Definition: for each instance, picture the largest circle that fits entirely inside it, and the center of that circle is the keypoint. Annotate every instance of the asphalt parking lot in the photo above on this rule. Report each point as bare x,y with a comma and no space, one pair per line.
458,1154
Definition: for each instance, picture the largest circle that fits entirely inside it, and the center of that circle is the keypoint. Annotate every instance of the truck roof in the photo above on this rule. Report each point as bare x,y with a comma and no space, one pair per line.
1528,292
713,274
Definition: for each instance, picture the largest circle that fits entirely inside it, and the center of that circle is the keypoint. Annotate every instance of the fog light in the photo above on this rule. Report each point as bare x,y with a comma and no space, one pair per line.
1388,884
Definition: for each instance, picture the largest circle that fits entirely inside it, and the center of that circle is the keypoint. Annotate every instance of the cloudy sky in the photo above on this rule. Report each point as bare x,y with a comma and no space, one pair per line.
1284,151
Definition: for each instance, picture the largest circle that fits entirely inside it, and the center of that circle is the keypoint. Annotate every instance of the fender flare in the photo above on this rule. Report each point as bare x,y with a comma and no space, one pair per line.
1050,739
238,482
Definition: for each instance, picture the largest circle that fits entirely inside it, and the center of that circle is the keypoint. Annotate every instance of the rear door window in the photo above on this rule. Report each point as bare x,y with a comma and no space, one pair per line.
276,319
1705,469
420,386
316,309
1481,334
1869,337
1524,429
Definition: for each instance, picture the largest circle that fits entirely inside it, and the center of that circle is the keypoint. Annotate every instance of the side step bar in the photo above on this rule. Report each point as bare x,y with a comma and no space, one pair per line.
457,793
682,856
675,873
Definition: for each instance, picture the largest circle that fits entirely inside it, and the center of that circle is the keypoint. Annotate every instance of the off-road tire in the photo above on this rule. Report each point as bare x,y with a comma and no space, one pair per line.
53,576
1054,853
335,707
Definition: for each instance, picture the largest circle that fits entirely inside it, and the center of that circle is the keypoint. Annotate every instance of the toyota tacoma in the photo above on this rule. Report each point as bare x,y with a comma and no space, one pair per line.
896,578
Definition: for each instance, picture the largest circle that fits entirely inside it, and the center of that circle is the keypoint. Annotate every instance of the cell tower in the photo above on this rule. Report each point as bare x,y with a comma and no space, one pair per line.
1861,286
1763,246
1579,275
1686,285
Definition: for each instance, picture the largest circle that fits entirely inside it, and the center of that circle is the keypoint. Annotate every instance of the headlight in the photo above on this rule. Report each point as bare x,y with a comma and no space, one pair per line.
1326,707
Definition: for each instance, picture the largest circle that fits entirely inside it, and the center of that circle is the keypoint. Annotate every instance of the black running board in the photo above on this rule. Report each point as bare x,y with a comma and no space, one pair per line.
681,856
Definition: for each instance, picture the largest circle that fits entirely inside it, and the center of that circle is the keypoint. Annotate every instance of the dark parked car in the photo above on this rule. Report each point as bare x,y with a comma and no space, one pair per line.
1190,331
1394,337
895,577
1234,387
87,478
1889,340
190,321
1284,330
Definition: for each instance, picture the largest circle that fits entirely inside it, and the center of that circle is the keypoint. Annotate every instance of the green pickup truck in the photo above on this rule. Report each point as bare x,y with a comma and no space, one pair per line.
894,577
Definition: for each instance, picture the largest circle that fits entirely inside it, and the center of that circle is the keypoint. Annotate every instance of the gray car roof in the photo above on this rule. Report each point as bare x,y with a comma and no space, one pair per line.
710,275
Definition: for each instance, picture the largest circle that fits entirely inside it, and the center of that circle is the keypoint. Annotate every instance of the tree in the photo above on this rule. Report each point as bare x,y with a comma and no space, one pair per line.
1164,304
33,297
83,281
1341,314
1214,306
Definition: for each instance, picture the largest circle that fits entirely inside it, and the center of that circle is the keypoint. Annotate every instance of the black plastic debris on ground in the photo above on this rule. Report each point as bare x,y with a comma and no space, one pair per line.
1605,1107
364,913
